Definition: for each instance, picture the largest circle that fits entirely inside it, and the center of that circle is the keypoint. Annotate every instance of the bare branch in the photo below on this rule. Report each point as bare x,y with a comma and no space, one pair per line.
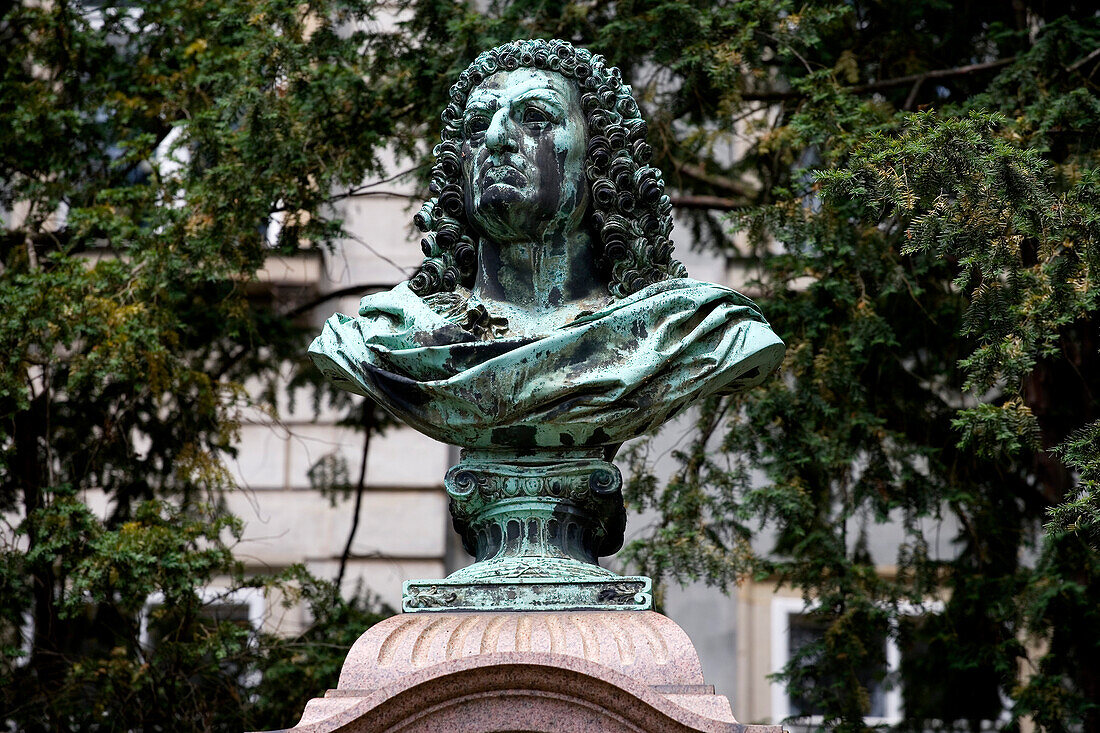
360,487
937,74
887,83
706,202
342,292
1078,64
358,190
391,194
699,173
912,97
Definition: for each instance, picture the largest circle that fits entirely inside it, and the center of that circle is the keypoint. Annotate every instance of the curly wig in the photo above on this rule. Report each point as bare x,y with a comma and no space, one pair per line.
628,211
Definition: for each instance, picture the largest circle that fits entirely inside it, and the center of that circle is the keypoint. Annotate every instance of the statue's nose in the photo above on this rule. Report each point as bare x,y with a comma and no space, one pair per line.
499,135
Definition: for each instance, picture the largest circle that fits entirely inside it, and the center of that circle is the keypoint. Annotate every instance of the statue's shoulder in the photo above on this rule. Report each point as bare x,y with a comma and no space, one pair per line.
450,316
400,302
399,297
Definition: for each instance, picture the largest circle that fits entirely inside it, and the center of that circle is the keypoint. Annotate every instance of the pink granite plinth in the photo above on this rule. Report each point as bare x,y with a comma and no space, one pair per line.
557,672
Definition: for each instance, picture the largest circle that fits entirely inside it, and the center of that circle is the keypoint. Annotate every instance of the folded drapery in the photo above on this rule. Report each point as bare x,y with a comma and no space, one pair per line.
605,378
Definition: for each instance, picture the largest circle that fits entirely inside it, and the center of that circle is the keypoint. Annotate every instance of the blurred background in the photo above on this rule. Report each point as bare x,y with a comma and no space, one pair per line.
900,529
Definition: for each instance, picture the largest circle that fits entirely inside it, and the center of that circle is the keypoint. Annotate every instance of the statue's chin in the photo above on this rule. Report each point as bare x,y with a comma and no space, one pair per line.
503,212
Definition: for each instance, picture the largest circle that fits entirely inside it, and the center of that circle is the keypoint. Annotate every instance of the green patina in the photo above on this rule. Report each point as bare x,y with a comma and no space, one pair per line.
547,325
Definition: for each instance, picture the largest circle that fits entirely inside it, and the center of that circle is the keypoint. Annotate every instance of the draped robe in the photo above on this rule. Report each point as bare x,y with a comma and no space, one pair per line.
606,377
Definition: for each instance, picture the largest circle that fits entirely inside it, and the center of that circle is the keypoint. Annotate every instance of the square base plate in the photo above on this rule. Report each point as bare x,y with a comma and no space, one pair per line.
627,593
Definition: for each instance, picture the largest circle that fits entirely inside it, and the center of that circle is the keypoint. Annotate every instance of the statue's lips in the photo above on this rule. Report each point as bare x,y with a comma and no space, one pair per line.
503,173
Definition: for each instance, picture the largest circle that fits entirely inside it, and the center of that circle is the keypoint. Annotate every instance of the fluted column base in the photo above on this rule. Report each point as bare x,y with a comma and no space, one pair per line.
536,672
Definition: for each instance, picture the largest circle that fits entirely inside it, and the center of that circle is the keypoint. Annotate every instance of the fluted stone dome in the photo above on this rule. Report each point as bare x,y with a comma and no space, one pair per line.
645,646
545,672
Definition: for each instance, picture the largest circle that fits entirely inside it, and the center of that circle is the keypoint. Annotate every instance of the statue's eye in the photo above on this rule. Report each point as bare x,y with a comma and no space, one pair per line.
535,116
476,125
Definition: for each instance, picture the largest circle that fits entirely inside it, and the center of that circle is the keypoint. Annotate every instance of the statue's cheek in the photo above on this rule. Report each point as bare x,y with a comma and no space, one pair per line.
569,167
557,189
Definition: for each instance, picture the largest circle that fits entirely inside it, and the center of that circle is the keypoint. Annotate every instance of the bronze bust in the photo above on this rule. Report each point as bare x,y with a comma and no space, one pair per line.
548,322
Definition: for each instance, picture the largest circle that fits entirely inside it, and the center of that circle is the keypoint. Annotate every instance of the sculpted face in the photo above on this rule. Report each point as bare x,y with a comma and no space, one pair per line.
523,156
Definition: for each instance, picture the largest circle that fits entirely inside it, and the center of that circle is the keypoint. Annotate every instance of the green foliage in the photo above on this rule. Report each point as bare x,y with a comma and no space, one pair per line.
138,648
293,669
144,150
934,273
1081,513
921,176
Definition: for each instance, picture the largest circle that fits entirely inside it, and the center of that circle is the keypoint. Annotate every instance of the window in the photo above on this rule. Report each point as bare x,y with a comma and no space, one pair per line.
803,630
969,698
916,689
792,629
244,607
